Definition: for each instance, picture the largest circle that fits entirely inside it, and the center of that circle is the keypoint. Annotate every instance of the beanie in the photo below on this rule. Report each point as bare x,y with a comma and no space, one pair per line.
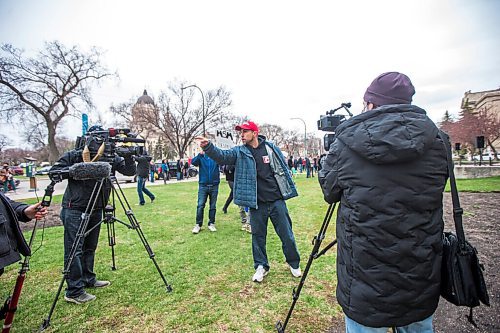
390,88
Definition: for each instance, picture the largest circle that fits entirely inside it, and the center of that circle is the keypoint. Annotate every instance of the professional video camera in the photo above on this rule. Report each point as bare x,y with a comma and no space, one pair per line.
330,122
106,144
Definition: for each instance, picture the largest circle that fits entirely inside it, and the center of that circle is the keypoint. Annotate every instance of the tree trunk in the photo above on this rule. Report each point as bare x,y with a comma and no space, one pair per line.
53,151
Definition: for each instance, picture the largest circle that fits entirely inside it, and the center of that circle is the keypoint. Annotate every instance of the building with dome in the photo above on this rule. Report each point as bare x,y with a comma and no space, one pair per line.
142,110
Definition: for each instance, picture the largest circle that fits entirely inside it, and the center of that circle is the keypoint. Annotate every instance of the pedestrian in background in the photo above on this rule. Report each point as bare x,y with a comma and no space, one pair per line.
208,188
143,170
164,170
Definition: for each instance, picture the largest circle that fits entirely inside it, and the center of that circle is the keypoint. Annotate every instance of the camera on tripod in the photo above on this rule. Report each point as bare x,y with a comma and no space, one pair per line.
107,143
330,122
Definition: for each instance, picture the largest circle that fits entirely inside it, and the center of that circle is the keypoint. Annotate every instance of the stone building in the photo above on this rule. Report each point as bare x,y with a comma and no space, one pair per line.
143,109
483,100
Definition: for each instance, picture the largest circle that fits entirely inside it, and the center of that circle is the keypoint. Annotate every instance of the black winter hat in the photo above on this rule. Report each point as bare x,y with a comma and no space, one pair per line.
390,88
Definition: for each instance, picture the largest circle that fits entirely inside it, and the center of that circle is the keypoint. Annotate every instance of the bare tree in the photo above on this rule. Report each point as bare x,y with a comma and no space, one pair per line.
48,87
179,118
4,142
274,133
292,142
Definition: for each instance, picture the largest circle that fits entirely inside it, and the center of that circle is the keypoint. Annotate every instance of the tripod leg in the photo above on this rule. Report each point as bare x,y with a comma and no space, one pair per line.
77,243
280,327
134,224
109,220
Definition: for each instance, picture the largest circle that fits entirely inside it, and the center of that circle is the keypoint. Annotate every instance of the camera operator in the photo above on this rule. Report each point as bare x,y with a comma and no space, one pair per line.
75,200
12,242
387,168
143,168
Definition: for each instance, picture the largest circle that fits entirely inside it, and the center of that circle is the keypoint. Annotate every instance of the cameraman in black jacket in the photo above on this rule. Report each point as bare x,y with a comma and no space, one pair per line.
387,169
75,200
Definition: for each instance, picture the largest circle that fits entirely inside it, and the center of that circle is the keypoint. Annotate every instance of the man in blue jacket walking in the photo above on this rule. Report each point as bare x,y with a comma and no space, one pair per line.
262,182
208,187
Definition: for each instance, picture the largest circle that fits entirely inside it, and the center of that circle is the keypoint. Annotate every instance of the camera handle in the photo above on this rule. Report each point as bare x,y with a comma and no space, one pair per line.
345,106
315,254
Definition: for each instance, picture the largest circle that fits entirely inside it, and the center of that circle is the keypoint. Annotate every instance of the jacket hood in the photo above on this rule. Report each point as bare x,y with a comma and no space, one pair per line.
389,134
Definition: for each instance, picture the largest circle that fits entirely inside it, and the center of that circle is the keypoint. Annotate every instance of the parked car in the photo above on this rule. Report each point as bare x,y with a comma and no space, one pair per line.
43,171
126,179
17,170
172,170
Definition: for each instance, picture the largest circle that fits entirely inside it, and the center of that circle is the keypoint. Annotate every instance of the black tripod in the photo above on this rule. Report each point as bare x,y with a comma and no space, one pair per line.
108,218
317,240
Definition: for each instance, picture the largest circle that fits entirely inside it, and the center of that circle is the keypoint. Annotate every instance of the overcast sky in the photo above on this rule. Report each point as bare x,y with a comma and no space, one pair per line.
279,59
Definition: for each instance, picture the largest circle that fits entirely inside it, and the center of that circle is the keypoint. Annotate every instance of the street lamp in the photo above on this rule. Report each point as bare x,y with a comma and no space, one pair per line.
202,105
305,134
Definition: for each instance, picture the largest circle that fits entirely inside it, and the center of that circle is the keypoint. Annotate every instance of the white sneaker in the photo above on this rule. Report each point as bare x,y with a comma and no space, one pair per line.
260,272
211,227
296,272
196,229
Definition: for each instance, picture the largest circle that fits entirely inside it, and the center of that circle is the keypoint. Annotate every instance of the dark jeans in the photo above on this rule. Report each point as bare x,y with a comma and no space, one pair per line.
230,197
81,273
204,192
141,187
282,223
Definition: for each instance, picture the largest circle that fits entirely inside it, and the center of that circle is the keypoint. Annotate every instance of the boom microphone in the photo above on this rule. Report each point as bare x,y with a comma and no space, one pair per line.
86,171
82,171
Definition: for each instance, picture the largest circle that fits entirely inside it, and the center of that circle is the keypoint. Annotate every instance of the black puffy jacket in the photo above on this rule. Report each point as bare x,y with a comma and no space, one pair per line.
387,167
12,242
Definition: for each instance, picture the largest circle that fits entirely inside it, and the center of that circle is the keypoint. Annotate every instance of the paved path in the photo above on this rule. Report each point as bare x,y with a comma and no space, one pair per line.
24,191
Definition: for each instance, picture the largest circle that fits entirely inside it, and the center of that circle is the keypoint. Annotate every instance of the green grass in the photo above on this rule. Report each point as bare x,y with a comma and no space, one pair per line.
490,184
209,272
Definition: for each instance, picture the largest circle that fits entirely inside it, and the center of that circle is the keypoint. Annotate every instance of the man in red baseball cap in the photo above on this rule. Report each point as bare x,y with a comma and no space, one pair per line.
262,182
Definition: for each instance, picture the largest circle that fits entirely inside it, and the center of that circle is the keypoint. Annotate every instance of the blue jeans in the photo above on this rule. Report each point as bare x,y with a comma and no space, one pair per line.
424,326
141,187
204,192
282,223
81,272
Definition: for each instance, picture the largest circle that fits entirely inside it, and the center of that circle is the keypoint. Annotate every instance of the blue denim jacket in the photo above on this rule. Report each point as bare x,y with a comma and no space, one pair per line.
245,176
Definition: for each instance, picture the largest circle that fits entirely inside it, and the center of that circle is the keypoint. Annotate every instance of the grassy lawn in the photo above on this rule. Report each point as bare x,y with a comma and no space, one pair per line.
209,272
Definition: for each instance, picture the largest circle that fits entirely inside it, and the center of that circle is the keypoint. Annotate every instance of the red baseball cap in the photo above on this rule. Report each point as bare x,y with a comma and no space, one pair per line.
247,125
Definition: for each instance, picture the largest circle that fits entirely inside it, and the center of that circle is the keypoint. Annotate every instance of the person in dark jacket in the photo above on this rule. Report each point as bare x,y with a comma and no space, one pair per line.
74,203
143,170
12,242
208,187
387,169
262,182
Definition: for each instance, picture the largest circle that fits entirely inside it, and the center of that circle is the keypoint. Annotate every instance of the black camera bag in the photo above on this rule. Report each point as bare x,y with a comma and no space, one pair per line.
462,281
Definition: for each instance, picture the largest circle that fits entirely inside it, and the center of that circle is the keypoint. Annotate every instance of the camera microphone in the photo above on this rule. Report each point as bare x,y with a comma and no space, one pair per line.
86,171
82,171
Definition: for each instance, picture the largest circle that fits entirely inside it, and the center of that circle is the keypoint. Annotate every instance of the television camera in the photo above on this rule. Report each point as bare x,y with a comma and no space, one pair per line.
330,122
105,144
